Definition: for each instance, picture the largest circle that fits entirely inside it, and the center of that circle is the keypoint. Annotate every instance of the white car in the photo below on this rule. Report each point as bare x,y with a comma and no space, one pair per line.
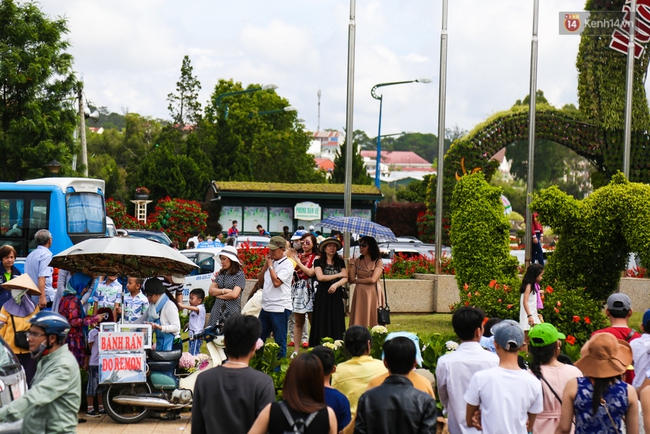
208,261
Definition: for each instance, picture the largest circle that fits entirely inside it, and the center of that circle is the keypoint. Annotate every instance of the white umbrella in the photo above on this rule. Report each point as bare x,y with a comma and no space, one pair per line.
135,257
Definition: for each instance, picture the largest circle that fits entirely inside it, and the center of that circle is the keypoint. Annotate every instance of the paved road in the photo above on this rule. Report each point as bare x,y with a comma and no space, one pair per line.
105,425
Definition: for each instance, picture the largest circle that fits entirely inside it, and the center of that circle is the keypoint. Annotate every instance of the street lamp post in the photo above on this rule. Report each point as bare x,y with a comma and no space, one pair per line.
268,112
373,92
218,99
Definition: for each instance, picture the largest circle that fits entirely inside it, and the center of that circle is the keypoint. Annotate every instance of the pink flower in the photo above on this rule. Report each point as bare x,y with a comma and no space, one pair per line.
259,344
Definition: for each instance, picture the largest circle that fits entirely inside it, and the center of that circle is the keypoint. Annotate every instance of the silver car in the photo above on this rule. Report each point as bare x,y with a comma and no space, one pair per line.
13,384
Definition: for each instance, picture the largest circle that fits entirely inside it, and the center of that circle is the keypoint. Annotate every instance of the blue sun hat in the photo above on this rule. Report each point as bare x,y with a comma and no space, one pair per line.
411,336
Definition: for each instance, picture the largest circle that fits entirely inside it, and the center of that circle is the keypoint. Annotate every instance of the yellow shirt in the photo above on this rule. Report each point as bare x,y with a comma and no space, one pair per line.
7,331
419,382
352,377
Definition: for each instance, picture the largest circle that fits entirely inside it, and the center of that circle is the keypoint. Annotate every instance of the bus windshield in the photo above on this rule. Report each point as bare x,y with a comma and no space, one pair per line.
85,213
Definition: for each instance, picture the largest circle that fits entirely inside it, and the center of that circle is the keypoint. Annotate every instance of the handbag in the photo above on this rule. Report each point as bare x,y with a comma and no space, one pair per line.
383,312
20,338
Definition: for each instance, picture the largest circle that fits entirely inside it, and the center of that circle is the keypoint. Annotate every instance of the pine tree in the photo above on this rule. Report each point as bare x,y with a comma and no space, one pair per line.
184,106
359,174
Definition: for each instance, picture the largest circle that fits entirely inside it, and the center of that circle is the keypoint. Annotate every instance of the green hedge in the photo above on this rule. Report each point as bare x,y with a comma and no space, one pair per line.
480,234
596,234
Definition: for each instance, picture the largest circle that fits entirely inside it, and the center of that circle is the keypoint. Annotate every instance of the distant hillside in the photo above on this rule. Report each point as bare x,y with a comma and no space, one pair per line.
107,119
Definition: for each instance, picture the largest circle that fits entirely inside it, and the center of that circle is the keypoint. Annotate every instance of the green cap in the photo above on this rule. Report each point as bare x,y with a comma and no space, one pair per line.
277,242
544,334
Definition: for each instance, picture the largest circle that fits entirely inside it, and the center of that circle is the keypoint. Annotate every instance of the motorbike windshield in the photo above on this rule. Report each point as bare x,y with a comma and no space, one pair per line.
9,364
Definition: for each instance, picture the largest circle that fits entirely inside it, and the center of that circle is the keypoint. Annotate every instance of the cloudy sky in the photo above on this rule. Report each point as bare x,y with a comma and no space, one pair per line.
130,52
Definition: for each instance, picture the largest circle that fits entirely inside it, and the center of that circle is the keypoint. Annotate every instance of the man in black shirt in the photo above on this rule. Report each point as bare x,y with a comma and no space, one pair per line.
228,398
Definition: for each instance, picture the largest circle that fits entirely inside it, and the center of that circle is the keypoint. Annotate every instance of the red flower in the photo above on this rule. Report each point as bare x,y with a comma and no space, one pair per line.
509,306
465,286
499,300
492,283
587,320
467,303
570,340
477,293
576,318
559,303
549,290
556,310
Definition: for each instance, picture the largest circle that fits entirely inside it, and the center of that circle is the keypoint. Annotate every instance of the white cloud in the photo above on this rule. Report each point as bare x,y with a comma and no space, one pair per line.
130,53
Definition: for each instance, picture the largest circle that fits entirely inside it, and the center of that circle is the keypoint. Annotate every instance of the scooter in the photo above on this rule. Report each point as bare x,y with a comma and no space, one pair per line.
164,390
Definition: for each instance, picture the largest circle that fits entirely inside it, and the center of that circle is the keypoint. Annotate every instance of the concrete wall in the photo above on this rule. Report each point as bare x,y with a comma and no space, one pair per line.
429,293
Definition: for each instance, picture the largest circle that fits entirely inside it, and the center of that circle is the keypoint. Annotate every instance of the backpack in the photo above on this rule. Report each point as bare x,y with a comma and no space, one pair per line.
299,425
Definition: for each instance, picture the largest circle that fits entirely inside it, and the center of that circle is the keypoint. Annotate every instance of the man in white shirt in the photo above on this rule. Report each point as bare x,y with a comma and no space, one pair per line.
276,293
508,397
455,370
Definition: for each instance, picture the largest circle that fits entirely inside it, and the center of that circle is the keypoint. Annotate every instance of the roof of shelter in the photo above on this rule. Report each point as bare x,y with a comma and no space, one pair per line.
277,189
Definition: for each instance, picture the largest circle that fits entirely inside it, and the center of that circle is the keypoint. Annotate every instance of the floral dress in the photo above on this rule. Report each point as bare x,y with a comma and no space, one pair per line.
617,403
302,290
70,308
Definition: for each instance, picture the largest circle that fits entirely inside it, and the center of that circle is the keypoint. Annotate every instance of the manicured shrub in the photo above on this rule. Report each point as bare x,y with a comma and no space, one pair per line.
403,267
480,235
596,234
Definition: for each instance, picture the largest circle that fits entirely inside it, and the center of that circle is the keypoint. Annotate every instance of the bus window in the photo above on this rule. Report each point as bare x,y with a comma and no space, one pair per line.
86,213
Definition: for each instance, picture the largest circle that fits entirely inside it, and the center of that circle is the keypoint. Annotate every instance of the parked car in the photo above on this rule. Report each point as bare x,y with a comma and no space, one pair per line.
252,241
13,385
208,261
158,236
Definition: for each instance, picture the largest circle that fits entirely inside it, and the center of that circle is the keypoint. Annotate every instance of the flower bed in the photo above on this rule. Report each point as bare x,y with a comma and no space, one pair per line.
403,267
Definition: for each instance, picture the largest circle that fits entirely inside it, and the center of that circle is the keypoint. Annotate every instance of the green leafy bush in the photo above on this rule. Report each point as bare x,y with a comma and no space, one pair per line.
497,300
573,313
480,234
596,234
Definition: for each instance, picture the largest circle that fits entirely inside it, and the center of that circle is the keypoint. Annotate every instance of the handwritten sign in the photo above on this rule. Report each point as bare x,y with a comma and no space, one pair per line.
122,368
121,357
121,342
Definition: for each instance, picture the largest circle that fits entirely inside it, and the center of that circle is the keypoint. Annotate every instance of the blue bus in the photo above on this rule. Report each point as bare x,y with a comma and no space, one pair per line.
72,209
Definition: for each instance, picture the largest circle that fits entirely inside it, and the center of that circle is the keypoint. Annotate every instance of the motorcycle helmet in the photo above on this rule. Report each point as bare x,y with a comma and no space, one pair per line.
52,323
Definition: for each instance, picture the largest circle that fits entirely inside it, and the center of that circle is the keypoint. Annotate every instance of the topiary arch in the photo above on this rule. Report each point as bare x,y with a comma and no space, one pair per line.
595,131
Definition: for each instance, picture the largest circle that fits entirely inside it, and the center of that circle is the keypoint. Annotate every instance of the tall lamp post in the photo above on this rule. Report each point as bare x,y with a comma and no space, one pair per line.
218,99
373,92
268,112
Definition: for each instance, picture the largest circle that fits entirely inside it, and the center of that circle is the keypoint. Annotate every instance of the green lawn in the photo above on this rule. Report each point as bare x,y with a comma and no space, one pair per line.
422,324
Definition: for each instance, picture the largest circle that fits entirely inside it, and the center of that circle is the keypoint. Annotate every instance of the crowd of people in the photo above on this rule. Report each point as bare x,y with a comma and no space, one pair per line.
484,385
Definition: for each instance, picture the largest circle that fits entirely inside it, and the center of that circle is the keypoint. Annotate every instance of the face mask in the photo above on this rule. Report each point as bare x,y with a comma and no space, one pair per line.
297,245
17,295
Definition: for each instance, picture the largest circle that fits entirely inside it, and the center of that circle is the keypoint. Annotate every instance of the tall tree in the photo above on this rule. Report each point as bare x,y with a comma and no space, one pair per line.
184,106
37,92
359,173
253,125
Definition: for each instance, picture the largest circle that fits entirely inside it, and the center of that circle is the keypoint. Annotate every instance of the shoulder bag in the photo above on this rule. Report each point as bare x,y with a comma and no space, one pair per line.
383,312
20,337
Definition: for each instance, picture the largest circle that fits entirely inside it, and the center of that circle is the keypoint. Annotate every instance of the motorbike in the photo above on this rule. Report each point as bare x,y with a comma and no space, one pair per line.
164,389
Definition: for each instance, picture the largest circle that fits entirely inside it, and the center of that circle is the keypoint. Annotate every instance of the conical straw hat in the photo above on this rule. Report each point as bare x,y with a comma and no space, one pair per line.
22,282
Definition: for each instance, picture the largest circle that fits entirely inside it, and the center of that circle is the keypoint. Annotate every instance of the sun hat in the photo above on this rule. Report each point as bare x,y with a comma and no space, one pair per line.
277,242
604,356
153,285
327,241
544,334
508,334
22,282
619,301
231,253
411,336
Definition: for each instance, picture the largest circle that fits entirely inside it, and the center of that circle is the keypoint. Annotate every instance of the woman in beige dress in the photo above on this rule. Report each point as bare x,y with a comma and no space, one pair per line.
365,272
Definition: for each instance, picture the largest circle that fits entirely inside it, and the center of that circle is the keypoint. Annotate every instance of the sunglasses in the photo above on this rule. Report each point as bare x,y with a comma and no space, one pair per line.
305,242
363,245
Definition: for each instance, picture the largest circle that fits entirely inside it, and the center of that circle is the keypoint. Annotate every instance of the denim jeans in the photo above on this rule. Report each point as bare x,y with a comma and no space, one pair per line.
275,322
195,346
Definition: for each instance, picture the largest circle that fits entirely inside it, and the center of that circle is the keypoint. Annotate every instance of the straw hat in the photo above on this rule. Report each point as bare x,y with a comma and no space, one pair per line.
327,241
604,356
22,282
231,253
